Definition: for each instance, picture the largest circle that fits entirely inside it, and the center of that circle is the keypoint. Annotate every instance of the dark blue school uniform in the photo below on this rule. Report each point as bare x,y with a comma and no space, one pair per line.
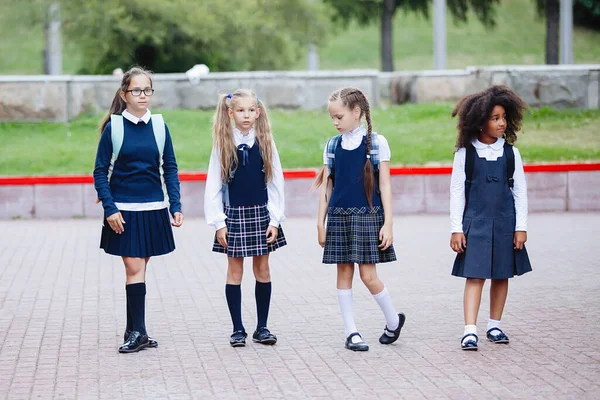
136,178
245,201
489,226
352,226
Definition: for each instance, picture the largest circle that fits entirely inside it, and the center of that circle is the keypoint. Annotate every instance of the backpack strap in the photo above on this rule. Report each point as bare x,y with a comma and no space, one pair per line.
160,136
375,151
332,144
116,137
469,165
510,163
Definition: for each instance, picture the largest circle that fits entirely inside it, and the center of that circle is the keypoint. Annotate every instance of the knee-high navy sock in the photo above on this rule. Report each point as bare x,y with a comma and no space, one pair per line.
129,326
233,293
262,293
136,296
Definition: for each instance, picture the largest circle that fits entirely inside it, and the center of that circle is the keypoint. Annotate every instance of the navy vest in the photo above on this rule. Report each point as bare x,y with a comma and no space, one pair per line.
349,188
248,187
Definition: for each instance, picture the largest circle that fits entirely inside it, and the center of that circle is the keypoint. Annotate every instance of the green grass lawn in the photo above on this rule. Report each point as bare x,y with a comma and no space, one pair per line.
418,135
518,38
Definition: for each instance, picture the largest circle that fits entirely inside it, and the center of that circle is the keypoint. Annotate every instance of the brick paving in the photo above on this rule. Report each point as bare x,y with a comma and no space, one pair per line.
62,314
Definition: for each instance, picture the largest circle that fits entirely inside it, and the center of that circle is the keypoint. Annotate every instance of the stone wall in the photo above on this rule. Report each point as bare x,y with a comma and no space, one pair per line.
61,98
412,194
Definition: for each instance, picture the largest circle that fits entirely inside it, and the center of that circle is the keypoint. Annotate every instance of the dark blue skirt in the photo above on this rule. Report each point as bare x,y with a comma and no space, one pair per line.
353,237
490,252
147,234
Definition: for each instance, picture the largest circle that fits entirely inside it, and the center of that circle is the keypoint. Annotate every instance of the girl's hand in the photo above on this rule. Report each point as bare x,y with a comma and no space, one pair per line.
272,232
222,237
322,234
458,242
177,219
386,237
116,222
519,239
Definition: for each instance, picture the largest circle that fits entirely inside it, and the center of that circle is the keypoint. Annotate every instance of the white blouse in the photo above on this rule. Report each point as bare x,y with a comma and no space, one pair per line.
351,140
213,194
490,152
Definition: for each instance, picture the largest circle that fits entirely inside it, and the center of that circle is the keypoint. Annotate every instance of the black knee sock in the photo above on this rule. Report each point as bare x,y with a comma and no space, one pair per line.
233,293
136,296
129,326
262,293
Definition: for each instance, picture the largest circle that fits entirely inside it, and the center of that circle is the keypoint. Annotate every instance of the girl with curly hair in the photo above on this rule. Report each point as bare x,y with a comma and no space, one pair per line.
488,204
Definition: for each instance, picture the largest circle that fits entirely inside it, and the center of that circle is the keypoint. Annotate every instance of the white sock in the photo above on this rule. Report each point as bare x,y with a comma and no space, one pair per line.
492,323
345,299
385,303
469,329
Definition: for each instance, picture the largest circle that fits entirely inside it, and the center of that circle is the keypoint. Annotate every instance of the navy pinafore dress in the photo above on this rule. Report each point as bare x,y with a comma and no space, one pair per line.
352,226
245,198
489,226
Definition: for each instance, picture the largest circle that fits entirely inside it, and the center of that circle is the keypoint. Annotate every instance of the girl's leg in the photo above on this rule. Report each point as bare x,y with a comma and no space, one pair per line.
498,294
262,290
135,269
345,275
471,303
129,326
233,291
368,274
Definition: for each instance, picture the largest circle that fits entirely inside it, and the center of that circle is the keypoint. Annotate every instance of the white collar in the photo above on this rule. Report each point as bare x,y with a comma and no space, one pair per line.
240,137
495,146
360,131
134,119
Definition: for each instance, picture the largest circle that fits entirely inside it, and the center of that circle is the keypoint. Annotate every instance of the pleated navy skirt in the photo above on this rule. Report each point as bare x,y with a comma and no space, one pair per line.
353,237
147,234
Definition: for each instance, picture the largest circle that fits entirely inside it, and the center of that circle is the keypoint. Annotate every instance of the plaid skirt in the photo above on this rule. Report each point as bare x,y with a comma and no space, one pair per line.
246,232
353,236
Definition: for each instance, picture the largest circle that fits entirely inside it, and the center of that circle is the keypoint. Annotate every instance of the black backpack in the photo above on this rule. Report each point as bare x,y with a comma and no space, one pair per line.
470,162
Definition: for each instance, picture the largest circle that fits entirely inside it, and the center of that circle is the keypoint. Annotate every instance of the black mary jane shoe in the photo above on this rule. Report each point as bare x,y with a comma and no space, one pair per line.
360,346
151,342
238,339
470,344
387,339
135,342
499,337
264,336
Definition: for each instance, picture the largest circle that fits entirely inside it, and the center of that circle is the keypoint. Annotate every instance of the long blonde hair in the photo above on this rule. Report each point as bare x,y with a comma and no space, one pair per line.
223,134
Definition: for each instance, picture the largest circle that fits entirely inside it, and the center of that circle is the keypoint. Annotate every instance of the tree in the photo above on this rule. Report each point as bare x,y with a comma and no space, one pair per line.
551,10
367,11
173,35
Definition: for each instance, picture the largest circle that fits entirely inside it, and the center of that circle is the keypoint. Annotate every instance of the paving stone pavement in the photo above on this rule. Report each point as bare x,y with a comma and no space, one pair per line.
62,314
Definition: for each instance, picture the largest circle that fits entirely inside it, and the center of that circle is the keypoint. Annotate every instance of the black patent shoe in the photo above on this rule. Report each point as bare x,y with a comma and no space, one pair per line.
238,339
469,344
360,346
499,337
135,342
388,336
151,342
264,336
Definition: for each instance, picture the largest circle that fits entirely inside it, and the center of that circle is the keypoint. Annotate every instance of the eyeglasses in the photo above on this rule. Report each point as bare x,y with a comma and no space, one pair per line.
138,92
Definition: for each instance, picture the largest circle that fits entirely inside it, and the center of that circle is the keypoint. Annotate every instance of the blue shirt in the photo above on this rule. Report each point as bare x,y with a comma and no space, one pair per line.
136,174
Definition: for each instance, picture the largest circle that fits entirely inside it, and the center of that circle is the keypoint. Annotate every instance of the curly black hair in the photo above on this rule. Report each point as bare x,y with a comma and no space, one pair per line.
474,110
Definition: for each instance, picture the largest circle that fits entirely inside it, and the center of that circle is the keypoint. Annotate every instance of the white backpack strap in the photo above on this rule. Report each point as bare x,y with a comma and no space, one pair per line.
116,137
160,135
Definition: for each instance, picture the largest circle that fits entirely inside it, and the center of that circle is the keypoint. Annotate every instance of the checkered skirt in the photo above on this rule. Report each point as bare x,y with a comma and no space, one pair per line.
353,236
246,232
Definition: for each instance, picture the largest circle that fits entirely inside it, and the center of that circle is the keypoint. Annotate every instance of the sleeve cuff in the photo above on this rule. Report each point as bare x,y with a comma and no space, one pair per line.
219,225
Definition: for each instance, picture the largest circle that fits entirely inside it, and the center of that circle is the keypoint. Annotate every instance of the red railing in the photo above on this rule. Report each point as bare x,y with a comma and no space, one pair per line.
289,174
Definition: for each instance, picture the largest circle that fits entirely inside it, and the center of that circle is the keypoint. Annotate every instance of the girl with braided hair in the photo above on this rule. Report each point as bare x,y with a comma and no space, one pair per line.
356,201
244,201
488,204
